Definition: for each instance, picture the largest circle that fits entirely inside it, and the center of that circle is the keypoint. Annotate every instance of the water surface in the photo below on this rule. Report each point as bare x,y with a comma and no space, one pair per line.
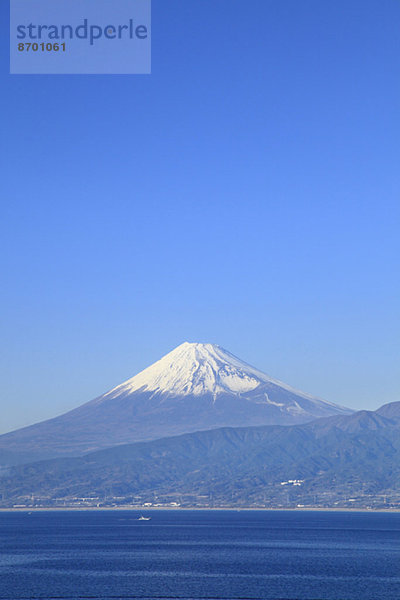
200,555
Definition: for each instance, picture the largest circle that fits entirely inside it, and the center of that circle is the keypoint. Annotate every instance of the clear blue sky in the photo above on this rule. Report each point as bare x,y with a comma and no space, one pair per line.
246,194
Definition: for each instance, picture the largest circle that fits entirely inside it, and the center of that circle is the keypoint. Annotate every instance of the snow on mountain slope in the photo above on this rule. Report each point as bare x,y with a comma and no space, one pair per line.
198,369
194,387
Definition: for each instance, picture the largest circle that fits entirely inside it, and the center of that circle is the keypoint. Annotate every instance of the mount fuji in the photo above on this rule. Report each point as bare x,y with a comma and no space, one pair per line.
195,387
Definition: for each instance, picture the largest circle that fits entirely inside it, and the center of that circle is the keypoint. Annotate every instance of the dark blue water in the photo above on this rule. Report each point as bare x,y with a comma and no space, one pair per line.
200,554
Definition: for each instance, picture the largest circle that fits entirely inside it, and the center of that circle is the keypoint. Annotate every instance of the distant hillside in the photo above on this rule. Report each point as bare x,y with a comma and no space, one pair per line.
195,387
349,460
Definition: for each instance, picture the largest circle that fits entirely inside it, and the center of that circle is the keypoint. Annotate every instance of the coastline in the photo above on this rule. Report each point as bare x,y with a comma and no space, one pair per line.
176,509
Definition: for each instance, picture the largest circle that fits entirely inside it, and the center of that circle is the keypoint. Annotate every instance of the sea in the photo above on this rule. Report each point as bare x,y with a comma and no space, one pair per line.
210,554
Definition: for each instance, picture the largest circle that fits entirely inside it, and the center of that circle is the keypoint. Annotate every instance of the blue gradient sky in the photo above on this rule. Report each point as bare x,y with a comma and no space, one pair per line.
246,194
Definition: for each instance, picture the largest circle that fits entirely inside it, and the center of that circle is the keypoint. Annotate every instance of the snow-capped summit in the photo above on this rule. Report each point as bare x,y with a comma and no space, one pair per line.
194,387
197,369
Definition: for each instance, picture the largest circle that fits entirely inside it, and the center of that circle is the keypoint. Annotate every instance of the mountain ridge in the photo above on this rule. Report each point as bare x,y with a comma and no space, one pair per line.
322,463
194,387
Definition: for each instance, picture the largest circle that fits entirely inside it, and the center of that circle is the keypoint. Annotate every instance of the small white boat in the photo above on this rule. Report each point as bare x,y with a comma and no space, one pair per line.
142,518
